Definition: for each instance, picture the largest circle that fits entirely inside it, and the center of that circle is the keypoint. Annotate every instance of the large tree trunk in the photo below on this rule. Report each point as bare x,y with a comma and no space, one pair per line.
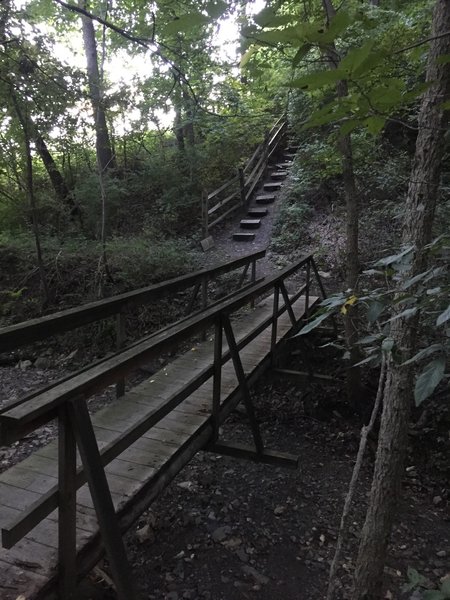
105,153
419,210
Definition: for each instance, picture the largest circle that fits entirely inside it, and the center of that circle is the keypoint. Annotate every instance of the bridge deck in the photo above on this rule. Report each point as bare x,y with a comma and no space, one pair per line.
138,475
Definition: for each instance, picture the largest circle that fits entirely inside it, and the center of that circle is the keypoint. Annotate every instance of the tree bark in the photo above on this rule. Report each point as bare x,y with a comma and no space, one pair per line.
59,185
352,265
105,154
419,210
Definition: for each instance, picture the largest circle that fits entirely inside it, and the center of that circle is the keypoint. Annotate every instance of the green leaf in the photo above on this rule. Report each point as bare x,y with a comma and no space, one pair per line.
313,81
301,53
338,25
375,124
443,317
349,126
313,324
405,314
276,36
374,311
187,22
393,258
356,57
416,279
369,359
429,379
424,353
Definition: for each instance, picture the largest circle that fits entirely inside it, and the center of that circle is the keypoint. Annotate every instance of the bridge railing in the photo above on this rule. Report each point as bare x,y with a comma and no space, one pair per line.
67,400
236,192
116,307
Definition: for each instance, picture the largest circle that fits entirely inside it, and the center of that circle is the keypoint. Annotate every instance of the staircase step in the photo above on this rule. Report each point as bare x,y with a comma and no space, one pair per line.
289,156
250,223
284,165
278,174
292,148
243,237
257,212
265,199
274,185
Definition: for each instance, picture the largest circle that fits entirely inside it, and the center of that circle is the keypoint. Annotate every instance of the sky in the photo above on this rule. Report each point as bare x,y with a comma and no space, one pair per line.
123,68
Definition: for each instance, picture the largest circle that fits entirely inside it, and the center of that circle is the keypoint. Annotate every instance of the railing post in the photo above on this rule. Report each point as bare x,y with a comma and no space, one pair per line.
273,343
253,279
120,343
204,298
205,218
242,187
67,540
217,382
308,283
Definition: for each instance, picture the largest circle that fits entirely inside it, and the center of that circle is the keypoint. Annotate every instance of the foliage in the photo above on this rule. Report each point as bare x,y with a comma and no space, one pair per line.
427,293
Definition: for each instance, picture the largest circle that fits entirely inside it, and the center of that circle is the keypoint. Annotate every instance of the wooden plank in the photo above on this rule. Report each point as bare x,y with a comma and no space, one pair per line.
29,331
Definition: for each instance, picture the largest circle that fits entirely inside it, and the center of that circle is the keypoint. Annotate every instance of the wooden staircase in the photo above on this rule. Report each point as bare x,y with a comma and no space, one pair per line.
271,186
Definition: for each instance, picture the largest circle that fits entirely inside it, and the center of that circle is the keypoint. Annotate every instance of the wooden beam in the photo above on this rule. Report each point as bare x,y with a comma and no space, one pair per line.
302,375
241,451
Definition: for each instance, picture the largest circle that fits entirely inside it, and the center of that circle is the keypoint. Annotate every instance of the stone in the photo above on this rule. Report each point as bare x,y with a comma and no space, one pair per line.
437,500
42,362
219,534
25,364
257,576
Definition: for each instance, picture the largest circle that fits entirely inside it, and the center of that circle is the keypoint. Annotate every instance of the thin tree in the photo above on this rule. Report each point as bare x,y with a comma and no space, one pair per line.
419,210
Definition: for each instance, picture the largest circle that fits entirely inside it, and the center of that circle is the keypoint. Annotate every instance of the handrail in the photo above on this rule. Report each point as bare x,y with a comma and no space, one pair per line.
244,183
43,407
13,336
67,399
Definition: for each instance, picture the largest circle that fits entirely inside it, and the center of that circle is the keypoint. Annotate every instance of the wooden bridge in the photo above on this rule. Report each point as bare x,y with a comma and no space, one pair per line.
70,501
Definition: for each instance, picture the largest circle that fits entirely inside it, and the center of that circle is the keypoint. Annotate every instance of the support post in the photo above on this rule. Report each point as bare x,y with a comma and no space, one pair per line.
217,381
253,279
288,304
193,298
67,537
204,298
101,497
276,299
308,283
242,187
239,369
205,216
120,343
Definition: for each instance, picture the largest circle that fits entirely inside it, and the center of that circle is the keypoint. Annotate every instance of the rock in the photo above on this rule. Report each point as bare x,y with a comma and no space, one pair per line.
25,364
219,534
187,485
257,576
242,554
145,534
232,542
172,596
279,510
437,500
42,362
441,553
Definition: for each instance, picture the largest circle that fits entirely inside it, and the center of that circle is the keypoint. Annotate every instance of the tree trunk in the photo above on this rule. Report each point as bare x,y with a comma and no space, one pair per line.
419,210
24,121
105,153
352,265
59,185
